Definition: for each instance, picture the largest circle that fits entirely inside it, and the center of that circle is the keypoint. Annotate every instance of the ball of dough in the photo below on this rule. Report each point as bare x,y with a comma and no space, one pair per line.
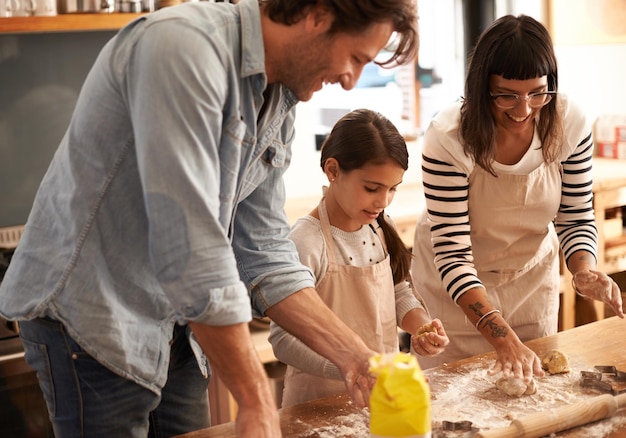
425,329
555,362
516,387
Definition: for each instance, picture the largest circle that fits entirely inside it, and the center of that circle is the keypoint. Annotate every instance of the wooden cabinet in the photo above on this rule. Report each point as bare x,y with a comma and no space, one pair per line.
65,23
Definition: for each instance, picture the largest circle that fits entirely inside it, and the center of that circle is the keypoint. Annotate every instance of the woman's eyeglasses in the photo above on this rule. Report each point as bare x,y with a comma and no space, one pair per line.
534,100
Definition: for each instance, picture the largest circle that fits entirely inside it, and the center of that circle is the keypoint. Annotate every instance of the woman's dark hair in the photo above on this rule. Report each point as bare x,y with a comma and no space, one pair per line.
355,16
517,48
364,137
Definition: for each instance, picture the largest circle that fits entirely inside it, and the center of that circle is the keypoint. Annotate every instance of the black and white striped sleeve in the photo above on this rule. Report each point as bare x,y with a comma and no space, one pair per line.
446,188
575,223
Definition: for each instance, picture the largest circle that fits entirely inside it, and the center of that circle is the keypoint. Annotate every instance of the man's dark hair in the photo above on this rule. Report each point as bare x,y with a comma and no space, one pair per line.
355,16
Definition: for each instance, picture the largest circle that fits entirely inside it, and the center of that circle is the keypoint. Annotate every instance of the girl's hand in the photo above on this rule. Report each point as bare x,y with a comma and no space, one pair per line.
599,286
431,343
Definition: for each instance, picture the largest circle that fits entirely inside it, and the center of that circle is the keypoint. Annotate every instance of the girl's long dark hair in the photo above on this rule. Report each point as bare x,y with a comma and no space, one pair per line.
364,137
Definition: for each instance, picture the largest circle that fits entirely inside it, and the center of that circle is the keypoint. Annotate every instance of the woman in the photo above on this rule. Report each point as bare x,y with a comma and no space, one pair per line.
507,179
361,265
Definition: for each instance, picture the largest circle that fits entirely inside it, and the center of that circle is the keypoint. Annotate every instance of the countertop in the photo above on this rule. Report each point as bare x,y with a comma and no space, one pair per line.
598,343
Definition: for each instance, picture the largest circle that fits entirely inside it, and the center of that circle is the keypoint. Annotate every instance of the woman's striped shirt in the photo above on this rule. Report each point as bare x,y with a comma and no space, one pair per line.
446,174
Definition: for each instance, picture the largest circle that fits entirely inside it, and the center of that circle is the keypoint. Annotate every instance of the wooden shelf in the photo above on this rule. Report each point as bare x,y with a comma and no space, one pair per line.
615,259
66,23
613,242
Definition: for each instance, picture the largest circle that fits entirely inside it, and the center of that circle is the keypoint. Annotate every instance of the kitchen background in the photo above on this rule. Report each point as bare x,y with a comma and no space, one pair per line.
590,42
41,75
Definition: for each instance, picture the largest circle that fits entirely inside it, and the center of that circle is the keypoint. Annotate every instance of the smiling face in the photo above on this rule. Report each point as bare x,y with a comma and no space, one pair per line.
357,197
330,58
519,119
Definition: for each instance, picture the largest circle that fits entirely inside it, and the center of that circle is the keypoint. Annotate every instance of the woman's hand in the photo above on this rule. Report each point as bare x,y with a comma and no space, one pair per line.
431,343
518,361
599,286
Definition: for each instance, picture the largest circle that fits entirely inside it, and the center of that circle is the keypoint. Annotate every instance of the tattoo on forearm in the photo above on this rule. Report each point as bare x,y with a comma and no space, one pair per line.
583,257
477,308
497,331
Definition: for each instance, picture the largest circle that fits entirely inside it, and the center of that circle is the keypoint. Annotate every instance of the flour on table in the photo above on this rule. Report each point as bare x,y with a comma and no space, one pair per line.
469,394
346,426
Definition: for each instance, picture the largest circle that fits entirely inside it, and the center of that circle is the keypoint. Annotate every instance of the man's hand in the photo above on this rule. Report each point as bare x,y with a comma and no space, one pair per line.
307,317
233,357
359,382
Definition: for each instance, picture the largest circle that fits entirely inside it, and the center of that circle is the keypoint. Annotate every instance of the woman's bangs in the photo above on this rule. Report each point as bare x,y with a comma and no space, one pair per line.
519,62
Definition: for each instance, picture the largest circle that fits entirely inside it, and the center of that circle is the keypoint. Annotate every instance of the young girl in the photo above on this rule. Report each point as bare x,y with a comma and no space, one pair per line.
361,265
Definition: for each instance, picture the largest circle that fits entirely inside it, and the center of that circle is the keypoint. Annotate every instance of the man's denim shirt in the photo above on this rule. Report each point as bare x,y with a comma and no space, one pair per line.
164,202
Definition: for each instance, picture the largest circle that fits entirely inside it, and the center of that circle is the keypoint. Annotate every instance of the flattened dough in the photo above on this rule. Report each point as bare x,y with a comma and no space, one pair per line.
555,362
516,387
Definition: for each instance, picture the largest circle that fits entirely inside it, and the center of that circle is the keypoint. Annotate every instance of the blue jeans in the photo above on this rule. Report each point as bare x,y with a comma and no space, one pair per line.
86,399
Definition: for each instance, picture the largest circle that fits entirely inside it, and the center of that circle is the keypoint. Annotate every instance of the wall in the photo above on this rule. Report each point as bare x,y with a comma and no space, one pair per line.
590,43
593,74
40,78
48,65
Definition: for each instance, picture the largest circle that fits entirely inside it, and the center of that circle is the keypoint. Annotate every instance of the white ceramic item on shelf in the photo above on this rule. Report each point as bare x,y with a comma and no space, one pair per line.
45,7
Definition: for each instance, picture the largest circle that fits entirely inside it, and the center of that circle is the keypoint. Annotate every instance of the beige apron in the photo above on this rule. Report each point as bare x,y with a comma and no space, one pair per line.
363,298
515,249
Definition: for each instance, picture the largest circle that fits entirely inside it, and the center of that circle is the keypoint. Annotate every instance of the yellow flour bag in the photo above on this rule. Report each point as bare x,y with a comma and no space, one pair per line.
400,399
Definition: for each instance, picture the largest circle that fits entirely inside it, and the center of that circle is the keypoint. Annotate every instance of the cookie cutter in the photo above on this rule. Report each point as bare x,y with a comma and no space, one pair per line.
603,379
610,369
455,429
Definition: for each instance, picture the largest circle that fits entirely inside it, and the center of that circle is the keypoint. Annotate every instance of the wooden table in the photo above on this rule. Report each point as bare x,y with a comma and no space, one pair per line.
599,343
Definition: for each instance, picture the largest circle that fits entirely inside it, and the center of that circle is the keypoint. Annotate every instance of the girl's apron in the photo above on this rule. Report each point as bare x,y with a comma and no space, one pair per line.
363,298
515,249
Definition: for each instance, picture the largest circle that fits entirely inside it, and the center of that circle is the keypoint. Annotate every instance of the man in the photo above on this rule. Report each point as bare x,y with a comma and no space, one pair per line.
163,209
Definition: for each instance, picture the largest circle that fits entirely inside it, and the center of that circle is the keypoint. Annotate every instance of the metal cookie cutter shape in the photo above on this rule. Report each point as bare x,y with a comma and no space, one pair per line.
610,369
597,380
458,429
